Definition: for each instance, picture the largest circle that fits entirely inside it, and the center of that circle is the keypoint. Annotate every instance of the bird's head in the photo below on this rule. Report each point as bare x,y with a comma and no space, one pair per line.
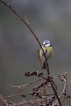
46,43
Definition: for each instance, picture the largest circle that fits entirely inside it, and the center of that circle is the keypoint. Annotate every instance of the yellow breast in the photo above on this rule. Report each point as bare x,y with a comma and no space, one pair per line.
48,54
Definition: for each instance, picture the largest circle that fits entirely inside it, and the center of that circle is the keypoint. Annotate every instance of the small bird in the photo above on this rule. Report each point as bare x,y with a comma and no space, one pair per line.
48,51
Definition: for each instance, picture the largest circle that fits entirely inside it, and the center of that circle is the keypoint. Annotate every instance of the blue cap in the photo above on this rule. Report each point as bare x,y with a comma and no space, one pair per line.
46,42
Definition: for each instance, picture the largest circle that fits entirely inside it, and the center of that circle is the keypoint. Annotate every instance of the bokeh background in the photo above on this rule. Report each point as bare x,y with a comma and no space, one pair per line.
49,19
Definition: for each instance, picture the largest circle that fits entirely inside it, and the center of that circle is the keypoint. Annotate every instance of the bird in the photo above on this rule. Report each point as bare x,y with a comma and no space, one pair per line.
48,51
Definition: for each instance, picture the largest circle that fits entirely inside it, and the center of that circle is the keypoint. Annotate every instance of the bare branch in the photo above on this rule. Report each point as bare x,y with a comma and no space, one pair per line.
40,68
26,23
22,89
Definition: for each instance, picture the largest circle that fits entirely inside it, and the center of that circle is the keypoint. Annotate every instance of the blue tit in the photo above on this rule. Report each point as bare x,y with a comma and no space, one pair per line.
48,50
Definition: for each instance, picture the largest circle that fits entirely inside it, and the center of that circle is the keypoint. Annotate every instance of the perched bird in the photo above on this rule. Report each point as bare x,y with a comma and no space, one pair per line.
48,51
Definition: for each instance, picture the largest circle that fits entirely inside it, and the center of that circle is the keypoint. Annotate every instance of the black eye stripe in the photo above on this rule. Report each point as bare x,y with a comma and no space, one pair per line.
46,43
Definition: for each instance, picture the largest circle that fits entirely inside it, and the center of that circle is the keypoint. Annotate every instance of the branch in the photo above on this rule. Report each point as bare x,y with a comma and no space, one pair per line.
1,98
22,89
26,23
40,68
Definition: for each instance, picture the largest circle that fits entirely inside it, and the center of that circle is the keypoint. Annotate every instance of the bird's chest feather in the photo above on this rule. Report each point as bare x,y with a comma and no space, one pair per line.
48,52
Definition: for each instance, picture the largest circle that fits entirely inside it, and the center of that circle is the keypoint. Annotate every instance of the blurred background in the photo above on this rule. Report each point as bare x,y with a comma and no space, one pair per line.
49,19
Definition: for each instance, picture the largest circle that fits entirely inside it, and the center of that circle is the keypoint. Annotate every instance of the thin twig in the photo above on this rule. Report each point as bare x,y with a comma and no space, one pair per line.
2,99
40,68
64,88
16,86
22,89
27,20
29,29
56,95
39,45
67,88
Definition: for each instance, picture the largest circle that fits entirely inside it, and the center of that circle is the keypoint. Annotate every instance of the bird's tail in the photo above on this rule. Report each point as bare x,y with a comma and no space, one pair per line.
44,65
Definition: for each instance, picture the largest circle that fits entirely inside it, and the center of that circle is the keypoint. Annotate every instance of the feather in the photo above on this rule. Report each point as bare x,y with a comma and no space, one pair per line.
44,65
